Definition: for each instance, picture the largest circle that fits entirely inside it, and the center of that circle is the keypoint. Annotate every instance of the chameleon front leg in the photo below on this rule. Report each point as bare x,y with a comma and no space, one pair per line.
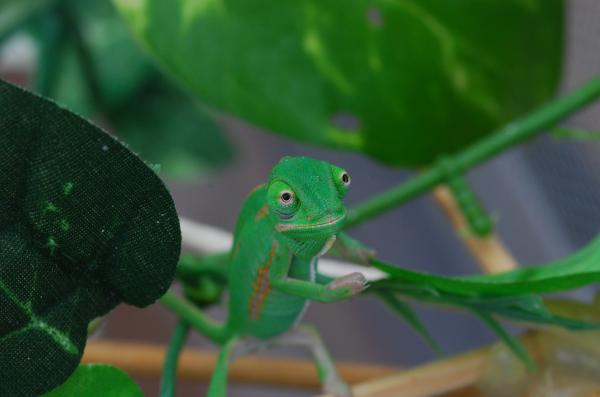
351,249
339,289
308,337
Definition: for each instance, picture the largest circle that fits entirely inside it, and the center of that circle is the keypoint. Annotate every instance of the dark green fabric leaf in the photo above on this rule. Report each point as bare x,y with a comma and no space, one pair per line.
403,81
84,225
97,380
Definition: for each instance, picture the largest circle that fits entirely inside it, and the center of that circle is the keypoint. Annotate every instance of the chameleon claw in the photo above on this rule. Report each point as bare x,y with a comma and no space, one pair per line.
355,282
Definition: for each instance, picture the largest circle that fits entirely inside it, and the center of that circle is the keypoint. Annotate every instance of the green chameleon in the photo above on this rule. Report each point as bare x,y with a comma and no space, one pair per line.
283,228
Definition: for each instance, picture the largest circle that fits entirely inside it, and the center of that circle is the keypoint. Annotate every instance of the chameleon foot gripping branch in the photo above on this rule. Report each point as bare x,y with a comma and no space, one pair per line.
283,228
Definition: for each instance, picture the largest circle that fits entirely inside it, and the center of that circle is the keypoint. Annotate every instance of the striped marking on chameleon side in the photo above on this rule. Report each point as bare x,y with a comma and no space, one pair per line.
261,287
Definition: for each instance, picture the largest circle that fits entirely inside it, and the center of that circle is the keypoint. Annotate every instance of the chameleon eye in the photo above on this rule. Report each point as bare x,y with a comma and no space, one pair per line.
286,198
341,179
282,199
345,178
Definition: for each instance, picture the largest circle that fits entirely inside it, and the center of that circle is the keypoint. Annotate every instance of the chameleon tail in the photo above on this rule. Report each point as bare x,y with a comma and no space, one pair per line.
196,318
204,277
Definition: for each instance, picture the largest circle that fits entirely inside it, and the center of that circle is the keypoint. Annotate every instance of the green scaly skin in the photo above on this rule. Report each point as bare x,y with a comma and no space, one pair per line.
283,228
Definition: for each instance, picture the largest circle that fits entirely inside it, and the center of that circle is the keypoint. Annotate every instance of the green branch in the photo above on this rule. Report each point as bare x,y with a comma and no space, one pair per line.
51,44
575,134
188,312
169,373
512,134
84,55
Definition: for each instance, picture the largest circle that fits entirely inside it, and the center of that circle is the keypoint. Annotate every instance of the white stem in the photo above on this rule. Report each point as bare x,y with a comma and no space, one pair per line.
206,239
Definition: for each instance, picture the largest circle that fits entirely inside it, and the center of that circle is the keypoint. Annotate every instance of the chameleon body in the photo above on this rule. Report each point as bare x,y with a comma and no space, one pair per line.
282,229
286,247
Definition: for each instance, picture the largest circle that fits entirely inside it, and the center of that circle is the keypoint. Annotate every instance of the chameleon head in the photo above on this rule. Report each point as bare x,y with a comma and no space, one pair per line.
305,199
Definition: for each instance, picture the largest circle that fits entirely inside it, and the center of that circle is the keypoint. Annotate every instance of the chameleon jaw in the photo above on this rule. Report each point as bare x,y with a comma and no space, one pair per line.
282,227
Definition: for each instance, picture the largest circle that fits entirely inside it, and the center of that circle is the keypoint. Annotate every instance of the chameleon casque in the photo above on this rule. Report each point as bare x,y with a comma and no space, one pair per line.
283,228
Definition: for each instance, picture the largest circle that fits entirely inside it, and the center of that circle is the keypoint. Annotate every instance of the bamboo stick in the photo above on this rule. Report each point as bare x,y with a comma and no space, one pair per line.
144,359
490,252
450,377
429,379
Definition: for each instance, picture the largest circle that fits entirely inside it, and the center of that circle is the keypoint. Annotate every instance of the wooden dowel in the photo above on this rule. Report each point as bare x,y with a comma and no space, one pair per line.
429,379
469,391
146,360
489,251
455,375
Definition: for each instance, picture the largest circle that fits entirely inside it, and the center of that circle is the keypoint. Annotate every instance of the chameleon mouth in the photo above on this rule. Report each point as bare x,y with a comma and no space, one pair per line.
282,227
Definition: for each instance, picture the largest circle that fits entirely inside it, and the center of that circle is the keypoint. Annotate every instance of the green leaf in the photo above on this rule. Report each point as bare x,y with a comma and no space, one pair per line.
511,295
167,127
513,344
577,270
85,225
403,81
97,380
408,314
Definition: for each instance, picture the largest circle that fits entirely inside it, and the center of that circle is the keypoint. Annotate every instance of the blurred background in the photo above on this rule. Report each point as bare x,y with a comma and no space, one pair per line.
544,196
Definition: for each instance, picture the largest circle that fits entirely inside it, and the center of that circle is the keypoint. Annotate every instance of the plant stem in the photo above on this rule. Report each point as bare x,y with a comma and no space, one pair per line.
575,134
512,134
50,53
169,372
194,317
84,54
